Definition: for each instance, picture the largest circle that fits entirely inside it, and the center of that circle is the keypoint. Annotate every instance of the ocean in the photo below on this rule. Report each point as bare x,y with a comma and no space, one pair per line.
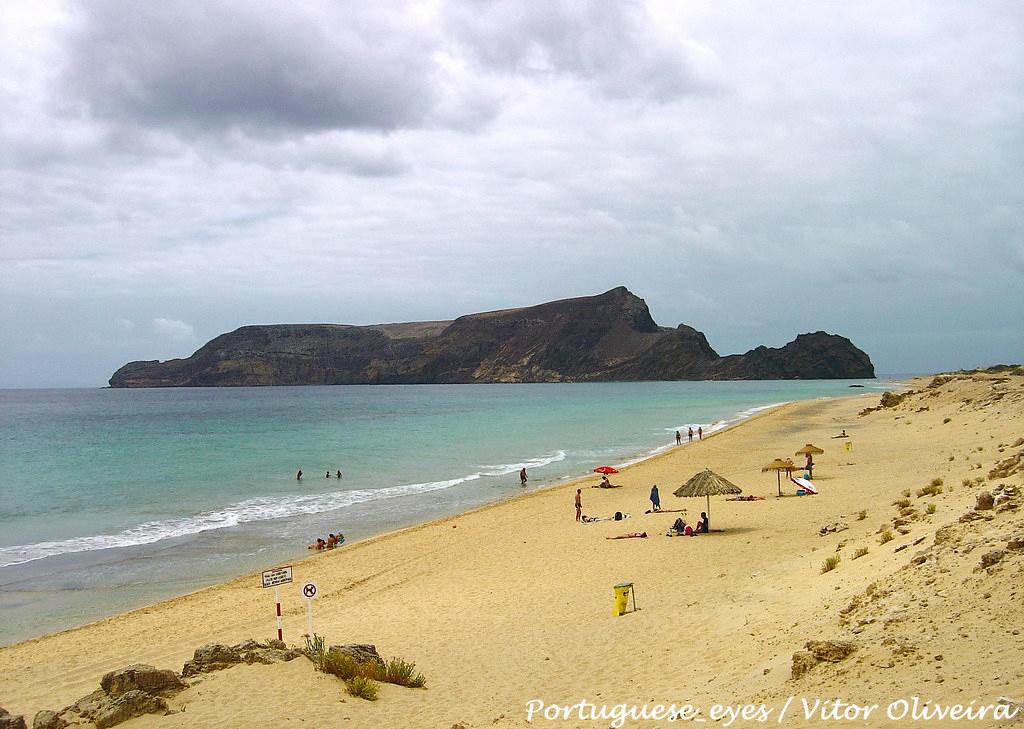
114,499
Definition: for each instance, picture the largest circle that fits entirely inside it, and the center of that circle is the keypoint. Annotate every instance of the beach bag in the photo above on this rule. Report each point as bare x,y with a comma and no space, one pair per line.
618,516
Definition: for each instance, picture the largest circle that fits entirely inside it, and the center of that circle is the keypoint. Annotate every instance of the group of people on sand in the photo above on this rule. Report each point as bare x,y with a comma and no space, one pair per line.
332,541
689,435
680,528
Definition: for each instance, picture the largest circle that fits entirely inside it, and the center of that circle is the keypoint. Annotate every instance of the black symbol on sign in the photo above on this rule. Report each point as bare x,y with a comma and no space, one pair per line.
309,590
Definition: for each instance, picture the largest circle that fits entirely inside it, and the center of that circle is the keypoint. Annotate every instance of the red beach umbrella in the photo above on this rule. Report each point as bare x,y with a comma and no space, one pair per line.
605,469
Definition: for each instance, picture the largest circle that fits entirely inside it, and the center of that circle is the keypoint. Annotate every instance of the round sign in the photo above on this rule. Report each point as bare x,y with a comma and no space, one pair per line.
309,590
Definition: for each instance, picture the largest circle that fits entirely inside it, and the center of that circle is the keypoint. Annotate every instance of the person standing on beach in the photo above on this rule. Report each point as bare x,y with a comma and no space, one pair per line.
689,434
655,498
700,433
579,504
809,466
679,438
523,477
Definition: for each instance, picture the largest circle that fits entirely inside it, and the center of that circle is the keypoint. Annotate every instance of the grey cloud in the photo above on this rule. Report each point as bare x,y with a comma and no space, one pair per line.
616,46
209,66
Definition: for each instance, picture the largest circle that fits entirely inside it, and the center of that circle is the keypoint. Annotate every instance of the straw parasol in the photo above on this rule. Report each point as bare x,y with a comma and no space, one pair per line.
707,483
809,450
779,465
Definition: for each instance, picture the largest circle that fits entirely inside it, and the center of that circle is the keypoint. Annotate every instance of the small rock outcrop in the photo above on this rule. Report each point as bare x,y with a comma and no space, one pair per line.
122,707
832,651
992,558
140,677
211,657
217,657
818,651
142,689
359,652
11,721
803,661
47,719
985,501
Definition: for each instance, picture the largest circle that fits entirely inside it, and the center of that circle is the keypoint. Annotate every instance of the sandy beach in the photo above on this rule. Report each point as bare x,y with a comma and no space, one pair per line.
512,603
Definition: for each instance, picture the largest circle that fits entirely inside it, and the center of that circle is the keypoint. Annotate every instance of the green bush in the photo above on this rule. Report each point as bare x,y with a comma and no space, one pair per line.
315,650
362,687
400,672
342,666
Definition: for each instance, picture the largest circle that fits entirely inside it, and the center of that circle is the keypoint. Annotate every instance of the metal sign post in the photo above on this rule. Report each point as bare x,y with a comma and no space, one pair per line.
309,592
275,578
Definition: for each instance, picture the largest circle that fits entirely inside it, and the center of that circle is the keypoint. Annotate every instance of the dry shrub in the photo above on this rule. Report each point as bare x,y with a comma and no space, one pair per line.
860,552
886,536
830,563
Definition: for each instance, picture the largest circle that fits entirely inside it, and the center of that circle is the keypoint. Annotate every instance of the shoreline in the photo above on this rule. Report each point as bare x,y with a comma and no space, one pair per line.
86,606
568,483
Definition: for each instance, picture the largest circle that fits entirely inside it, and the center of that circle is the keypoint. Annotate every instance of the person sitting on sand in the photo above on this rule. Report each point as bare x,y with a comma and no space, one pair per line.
332,541
702,526
680,528
841,435
318,544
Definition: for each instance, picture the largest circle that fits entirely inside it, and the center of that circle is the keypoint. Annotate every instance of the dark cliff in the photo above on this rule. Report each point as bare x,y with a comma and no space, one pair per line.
595,338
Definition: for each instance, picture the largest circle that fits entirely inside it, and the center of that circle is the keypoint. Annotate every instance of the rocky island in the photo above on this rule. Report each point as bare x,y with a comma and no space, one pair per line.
608,337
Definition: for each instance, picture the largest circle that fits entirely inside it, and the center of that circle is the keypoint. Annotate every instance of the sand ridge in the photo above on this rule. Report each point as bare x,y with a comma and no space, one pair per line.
512,602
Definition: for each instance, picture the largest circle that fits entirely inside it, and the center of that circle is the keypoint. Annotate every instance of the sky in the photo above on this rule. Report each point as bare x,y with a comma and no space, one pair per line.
173,170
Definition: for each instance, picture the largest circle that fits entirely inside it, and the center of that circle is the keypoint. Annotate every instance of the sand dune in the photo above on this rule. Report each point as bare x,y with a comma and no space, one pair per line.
513,602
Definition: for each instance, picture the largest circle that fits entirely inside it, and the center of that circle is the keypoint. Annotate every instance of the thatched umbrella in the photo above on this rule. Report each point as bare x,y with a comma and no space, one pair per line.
779,465
809,450
707,483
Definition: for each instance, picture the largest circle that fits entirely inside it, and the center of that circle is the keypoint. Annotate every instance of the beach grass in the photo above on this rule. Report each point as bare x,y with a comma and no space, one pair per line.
362,687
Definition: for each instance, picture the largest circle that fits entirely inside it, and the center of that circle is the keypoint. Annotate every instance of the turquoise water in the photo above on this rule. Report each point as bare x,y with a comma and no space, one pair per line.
111,499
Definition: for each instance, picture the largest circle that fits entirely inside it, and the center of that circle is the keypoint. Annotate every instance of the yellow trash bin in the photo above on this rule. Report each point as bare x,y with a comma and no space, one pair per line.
621,598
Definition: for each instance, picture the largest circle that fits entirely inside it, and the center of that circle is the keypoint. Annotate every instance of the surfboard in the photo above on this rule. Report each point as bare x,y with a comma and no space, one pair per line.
805,485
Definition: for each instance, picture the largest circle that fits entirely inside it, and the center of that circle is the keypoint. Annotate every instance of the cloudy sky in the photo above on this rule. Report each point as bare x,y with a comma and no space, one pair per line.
173,170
